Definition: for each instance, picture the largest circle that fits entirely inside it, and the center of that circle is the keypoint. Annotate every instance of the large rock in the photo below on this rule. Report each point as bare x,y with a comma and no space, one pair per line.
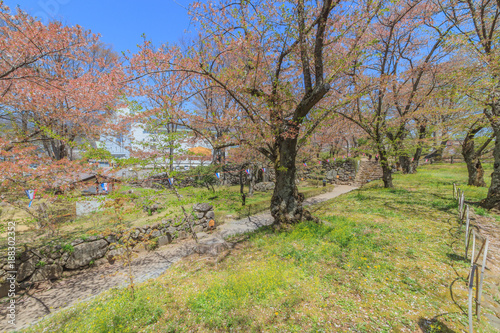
164,240
202,207
26,268
47,272
264,186
85,253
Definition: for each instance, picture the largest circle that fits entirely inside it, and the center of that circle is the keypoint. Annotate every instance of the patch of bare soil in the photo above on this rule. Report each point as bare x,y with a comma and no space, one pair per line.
490,229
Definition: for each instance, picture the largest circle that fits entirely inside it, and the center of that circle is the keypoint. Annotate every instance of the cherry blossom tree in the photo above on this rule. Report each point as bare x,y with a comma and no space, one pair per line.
399,72
279,61
477,33
59,84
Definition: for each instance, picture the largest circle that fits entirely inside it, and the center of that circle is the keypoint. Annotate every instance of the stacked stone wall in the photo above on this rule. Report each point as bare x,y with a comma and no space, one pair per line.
56,260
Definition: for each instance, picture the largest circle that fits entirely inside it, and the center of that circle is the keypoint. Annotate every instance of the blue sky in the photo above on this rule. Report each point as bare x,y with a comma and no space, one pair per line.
120,22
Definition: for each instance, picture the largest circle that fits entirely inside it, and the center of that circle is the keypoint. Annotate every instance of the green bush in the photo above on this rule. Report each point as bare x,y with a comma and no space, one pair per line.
68,248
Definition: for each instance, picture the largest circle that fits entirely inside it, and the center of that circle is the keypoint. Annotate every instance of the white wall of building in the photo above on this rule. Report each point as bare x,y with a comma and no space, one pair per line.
139,138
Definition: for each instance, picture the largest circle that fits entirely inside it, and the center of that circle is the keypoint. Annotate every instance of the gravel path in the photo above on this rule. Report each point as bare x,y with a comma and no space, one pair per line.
86,284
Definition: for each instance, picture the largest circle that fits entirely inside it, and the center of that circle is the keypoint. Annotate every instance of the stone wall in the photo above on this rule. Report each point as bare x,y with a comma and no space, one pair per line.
368,171
230,175
341,172
53,261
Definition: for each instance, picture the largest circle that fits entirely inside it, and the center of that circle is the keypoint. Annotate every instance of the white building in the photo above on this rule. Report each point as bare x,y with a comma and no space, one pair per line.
188,151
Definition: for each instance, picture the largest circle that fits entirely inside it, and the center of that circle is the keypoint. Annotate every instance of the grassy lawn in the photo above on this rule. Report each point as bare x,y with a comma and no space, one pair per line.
383,261
226,201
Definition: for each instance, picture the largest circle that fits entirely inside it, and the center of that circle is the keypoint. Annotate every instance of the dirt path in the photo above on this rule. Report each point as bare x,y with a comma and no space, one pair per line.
490,228
66,292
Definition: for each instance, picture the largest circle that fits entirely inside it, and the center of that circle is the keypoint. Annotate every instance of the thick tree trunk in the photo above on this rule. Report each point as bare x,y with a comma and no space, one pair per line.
405,163
416,160
386,170
493,198
476,173
471,158
286,202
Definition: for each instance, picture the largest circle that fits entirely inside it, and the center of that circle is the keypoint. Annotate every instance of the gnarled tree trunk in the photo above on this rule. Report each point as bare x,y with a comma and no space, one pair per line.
476,173
472,155
286,202
493,198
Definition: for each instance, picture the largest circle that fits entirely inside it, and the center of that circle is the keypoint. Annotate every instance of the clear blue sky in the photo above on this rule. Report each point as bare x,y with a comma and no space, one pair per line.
120,22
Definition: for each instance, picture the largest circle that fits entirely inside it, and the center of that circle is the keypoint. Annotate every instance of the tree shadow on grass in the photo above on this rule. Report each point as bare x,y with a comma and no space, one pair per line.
456,257
434,325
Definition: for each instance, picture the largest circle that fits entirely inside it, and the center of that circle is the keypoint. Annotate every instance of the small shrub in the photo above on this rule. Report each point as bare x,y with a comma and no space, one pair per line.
68,248
41,263
152,244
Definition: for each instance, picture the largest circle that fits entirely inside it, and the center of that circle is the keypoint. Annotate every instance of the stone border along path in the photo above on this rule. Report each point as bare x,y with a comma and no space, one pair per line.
148,265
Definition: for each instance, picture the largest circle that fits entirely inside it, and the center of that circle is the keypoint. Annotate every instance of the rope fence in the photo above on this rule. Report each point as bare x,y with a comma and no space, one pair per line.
475,278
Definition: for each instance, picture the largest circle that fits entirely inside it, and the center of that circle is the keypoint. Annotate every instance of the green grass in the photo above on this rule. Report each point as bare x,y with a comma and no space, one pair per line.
383,261
226,201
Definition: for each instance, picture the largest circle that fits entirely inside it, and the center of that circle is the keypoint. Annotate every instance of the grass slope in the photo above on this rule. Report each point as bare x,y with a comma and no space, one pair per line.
383,262
226,201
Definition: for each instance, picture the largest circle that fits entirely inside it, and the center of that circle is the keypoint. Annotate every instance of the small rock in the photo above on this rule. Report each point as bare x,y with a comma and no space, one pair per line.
202,207
200,215
198,228
156,233
210,215
101,261
135,234
62,261
25,284
76,242
26,255
111,239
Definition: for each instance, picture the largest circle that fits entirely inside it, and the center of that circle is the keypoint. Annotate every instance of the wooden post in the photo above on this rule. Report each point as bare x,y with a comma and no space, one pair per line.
454,191
467,222
480,288
471,284
473,248
462,201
